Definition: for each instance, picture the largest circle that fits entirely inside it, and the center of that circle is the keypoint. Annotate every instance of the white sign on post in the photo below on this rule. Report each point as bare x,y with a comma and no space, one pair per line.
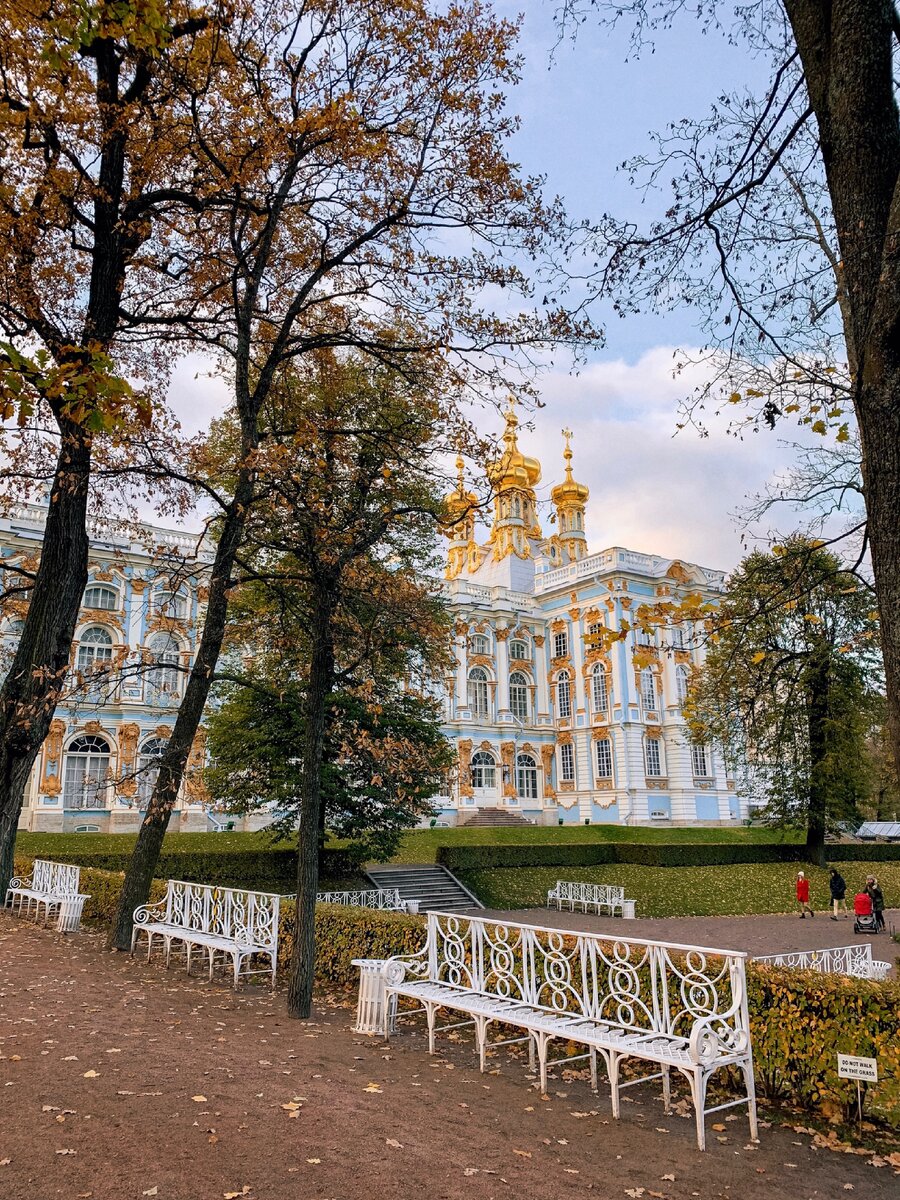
850,1066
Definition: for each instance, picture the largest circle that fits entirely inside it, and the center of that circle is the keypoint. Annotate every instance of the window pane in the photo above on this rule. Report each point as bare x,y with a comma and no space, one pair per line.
564,696
699,760
604,759
526,777
648,689
560,645
652,754
600,690
566,763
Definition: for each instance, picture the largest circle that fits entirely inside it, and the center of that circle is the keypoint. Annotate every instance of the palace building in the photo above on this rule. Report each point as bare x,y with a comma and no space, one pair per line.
551,720
134,644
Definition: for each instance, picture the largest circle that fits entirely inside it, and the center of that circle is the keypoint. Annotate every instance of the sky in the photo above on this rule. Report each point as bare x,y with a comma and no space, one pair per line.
584,109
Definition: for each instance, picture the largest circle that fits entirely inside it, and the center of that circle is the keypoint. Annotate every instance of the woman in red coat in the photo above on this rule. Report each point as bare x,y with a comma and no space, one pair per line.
803,896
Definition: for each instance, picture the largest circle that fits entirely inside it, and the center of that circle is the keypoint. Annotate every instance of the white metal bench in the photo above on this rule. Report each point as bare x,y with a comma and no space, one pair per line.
232,922
386,898
51,885
590,895
681,1007
839,960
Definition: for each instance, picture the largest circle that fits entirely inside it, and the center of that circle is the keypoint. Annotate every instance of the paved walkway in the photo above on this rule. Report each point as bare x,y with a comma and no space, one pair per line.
766,934
121,1080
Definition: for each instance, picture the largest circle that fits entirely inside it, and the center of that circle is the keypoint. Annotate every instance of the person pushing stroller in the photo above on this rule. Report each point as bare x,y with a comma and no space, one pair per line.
877,896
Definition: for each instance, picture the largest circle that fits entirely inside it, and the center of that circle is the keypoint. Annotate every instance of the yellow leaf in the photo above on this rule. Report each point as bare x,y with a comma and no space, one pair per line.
758,656
199,1099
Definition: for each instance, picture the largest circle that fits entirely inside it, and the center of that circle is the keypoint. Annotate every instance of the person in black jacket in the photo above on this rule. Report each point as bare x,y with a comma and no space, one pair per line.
838,893
877,895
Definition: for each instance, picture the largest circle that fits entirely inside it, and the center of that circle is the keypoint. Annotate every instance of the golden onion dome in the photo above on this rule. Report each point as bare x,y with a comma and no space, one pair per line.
513,470
460,503
569,492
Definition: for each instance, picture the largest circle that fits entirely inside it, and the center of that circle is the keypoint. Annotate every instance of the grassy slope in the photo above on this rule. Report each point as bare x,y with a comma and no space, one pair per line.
682,891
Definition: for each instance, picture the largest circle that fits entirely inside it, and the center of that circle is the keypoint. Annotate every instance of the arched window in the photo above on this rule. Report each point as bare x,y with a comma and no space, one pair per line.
526,777
478,692
681,683
164,676
148,769
86,773
518,507
480,644
170,603
518,695
563,695
518,648
98,595
95,648
600,689
648,689
484,769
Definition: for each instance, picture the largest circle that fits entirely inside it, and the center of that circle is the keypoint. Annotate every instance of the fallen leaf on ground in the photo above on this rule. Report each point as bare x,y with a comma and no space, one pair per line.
371,1087
91,1074
154,1191
314,1160
523,1153
393,1142
670,1178
245,1191
4,1162
201,1100
67,1151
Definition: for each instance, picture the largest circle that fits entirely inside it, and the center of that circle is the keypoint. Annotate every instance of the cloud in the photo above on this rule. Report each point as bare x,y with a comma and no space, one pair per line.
653,489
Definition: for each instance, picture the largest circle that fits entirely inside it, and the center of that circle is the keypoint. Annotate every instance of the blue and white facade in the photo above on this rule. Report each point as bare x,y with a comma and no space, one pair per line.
133,647
549,719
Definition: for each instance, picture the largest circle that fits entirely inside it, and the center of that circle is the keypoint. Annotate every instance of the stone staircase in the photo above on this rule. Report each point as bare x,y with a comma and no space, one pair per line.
433,886
485,817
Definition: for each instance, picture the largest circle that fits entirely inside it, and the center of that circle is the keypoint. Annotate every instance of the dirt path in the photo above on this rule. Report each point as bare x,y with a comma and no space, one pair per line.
121,1080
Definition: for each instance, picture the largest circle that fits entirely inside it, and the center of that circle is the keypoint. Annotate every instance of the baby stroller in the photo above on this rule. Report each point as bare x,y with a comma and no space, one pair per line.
864,918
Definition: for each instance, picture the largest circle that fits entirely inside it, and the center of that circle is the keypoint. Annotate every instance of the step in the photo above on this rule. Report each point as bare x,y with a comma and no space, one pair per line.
433,886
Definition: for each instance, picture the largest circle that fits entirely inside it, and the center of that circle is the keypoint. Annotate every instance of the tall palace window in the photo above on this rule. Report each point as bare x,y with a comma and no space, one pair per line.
478,692
600,689
563,695
526,777
518,695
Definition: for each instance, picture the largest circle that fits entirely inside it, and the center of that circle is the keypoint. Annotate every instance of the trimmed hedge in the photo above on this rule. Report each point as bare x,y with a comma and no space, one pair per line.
649,854
213,858
801,1020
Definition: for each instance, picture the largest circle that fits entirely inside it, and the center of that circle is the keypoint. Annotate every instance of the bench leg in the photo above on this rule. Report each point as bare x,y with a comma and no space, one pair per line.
612,1066
747,1069
699,1080
430,1015
542,1041
236,961
212,962
188,949
593,1053
481,1028
667,1089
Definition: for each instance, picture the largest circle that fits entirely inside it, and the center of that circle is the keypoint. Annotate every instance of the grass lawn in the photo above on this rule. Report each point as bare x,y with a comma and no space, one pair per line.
421,845
683,891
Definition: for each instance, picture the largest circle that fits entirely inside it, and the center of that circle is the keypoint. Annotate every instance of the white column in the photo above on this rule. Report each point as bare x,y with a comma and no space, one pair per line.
502,674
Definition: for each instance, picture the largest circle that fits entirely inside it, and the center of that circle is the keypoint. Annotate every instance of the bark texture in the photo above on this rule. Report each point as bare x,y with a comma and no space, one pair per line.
847,49
32,687
321,681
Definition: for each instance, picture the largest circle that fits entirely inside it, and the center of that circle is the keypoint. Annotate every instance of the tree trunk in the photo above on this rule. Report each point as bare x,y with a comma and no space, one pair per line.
321,680
138,877
32,687
818,713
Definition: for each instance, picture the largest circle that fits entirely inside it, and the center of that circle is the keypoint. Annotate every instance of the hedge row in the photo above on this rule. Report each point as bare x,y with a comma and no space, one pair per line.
800,1021
271,868
648,854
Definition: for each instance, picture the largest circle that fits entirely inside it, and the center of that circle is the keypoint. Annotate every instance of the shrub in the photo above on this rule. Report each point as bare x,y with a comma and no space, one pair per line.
801,1021
344,933
552,854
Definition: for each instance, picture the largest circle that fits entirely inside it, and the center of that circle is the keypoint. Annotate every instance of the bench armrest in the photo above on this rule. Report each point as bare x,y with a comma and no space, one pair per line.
713,1038
147,914
16,882
397,968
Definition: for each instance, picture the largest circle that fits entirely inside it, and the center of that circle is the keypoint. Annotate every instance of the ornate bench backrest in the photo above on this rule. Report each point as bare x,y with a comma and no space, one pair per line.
55,879
245,917
592,893
839,960
630,983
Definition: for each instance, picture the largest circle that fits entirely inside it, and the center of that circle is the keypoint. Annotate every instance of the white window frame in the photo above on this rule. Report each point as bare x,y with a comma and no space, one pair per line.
515,654
481,643
567,763
607,758
86,770
483,767
518,695
563,695
526,777
649,697
104,591
653,757
700,761
478,698
600,690
682,682
171,602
